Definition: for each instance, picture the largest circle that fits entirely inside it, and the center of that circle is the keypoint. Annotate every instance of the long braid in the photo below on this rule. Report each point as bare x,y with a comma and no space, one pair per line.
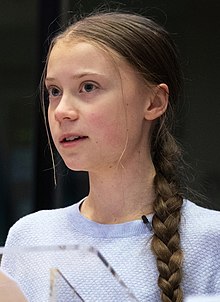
151,51
166,220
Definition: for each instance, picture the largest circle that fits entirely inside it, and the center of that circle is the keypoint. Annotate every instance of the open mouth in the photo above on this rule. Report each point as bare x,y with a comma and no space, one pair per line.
72,138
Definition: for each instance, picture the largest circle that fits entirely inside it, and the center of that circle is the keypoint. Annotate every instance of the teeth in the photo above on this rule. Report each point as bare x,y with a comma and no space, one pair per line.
71,138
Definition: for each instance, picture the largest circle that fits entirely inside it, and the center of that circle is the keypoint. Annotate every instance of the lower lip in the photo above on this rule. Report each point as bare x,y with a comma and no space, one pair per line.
68,144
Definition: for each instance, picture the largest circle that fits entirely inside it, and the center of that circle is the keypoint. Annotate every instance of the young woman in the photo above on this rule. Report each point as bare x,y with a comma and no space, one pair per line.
113,81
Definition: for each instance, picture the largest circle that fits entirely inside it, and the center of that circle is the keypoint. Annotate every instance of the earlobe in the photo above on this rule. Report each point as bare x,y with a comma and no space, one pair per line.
158,102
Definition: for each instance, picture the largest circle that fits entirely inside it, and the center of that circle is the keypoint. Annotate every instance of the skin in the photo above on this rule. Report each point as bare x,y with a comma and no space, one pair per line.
9,290
101,99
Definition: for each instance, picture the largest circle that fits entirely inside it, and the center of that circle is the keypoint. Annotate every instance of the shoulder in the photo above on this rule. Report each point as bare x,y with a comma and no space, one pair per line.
200,224
42,218
200,240
39,226
199,216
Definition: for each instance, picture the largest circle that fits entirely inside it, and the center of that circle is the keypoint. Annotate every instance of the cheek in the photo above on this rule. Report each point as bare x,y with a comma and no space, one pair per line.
49,115
51,124
108,127
97,121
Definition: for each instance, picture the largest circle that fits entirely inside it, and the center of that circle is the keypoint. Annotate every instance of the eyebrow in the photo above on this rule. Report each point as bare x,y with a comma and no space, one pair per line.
77,75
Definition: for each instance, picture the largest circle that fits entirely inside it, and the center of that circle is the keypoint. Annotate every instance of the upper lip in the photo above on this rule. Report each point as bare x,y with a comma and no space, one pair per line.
64,137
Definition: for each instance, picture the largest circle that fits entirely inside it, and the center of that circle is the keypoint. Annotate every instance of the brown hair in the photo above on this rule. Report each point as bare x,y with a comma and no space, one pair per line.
150,50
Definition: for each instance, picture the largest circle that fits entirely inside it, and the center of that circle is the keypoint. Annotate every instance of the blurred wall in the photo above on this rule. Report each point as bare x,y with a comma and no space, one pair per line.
18,65
25,167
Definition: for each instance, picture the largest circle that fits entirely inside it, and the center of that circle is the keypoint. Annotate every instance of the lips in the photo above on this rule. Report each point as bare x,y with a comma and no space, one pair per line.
71,138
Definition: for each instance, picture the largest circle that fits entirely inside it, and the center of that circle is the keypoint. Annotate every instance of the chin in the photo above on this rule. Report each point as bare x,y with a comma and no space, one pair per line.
75,166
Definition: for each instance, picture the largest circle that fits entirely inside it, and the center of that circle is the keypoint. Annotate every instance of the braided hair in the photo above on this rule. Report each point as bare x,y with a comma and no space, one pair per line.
150,50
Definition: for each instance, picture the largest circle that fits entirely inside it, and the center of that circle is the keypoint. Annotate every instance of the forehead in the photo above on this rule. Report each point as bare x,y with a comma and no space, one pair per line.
78,58
81,54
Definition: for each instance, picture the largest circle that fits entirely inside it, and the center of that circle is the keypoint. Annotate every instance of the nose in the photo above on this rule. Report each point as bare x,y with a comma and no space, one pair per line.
66,109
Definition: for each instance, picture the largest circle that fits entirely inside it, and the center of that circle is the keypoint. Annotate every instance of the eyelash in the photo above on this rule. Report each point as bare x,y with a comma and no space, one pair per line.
50,92
94,87
55,92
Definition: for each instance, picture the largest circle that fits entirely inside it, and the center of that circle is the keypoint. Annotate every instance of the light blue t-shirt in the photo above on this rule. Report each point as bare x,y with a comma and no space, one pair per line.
126,246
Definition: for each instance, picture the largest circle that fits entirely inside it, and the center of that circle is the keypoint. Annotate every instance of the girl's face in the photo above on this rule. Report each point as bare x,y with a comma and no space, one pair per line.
96,107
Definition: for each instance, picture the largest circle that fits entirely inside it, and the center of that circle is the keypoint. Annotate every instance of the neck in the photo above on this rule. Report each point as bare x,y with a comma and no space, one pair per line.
120,194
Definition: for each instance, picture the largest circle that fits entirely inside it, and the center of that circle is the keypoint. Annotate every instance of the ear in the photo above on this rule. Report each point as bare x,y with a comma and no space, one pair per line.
157,103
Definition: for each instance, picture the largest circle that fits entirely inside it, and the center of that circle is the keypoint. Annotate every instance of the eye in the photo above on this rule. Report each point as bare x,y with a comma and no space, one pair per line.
88,87
54,92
